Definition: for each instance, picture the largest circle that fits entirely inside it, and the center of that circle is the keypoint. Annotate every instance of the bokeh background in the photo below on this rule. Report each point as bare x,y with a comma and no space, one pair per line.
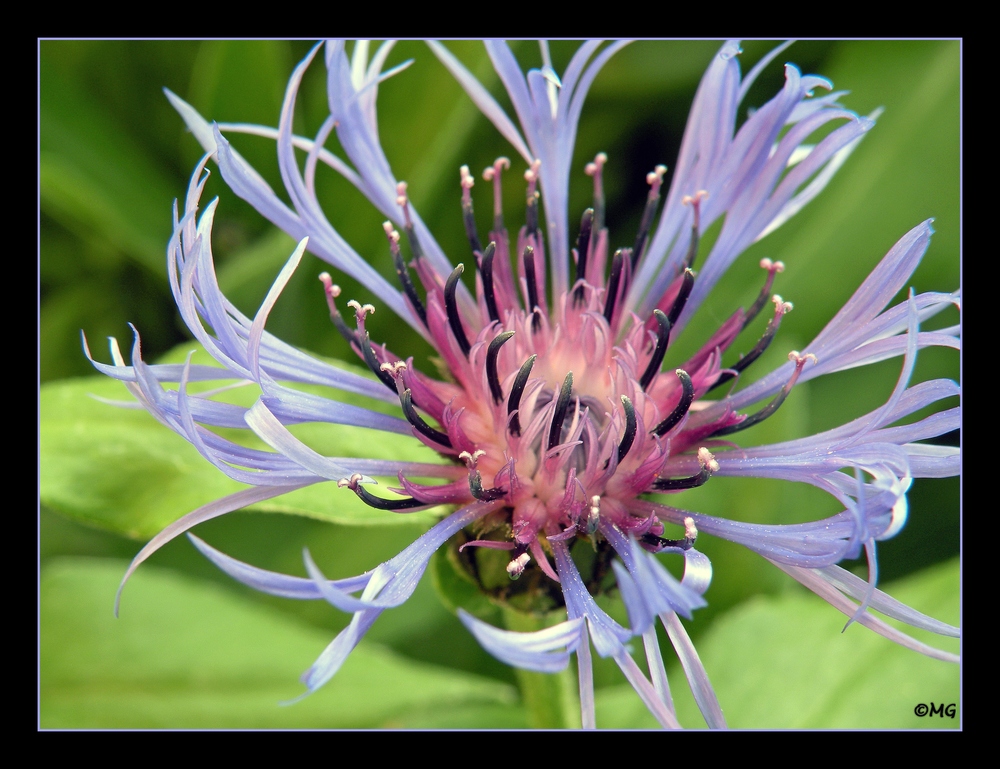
194,649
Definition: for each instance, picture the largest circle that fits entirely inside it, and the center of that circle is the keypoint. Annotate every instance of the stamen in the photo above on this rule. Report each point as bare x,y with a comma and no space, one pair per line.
690,536
531,215
595,169
468,216
516,567
662,339
611,298
630,429
532,282
411,237
559,413
486,272
655,181
407,503
582,252
492,376
675,416
695,202
780,308
483,495
682,296
403,273
770,408
772,268
368,353
493,175
332,291
516,390
708,466
406,401
451,307
594,516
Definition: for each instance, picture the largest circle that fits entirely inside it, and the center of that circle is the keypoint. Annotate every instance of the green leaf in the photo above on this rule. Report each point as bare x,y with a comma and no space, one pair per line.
94,179
190,655
119,469
783,663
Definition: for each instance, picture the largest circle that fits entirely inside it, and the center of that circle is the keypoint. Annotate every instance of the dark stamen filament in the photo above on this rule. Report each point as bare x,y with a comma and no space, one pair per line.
406,401
486,272
630,428
675,416
662,338
762,297
369,355
757,418
583,252
682,296
492,376
532,281
516,390
386,504
677,484
483,495
531,216
693,248
559,414
404,278
469,218
652,203
451,307
411,238
338,320
750,357
659,542
613,280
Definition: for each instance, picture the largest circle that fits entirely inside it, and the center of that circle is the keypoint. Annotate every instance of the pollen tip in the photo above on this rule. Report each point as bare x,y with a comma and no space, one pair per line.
690,530
351,482
516,567
797,358
780,305
707,459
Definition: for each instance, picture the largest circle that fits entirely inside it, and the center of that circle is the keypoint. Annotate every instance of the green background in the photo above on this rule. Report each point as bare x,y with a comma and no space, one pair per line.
194,649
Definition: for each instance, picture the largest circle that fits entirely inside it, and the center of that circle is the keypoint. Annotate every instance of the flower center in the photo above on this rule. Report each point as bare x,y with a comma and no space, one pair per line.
561,415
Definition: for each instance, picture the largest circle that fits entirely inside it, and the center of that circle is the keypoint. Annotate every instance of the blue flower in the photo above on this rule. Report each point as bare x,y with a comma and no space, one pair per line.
553,416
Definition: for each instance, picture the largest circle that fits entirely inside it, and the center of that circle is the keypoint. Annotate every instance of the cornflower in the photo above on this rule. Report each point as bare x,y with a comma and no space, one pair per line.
558,427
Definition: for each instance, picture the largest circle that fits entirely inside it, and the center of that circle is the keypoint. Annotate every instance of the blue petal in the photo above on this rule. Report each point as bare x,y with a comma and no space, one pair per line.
537,651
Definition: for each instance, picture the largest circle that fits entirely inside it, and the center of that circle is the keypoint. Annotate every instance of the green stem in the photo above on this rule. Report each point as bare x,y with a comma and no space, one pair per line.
551,699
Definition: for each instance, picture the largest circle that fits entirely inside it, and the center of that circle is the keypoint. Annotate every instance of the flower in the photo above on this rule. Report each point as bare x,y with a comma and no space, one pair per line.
552,414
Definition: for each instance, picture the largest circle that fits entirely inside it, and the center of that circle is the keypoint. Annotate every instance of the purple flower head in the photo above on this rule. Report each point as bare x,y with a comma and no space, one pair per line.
558,426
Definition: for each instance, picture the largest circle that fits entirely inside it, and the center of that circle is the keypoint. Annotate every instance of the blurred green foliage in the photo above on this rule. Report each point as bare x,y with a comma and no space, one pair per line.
113,157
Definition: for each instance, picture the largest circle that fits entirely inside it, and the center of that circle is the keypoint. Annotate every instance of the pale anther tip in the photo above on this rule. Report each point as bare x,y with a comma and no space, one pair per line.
707,459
